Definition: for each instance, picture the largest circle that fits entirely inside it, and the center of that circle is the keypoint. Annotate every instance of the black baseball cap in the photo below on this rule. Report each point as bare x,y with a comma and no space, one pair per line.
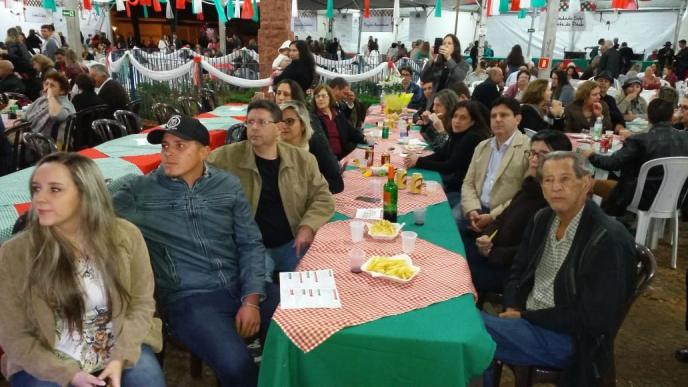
184,127
605,75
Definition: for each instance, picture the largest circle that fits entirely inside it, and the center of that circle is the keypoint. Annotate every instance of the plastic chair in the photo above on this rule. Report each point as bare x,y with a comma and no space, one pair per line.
15,136
162,112
526,376
666,203
236,133
107,129
134,106
39,145
530,132
78,133
190,106
130,120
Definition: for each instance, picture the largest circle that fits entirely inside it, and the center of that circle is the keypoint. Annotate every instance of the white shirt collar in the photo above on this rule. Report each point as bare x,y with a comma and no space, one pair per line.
506,144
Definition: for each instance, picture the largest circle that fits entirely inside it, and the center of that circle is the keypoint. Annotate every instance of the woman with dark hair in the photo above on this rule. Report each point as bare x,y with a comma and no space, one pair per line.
562,90
572,71
514,60
519,87
537,110
341,135
490,257
302,66
437,121
53,107
452,159
289,90
86,96
448,65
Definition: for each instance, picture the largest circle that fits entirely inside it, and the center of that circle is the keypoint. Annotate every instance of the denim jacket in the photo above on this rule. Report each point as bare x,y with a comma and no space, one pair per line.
200,239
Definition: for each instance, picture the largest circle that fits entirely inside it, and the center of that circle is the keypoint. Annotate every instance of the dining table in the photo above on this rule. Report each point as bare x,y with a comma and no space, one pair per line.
427,332
131,154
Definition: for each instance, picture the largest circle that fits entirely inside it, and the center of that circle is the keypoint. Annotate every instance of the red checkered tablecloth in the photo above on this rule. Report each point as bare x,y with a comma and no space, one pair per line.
355,185
443,275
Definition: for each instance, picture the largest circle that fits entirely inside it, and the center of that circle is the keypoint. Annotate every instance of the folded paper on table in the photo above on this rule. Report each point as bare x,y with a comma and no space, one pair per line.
308,289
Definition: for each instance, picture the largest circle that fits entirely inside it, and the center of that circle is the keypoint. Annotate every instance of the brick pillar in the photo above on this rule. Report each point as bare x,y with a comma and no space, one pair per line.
275,28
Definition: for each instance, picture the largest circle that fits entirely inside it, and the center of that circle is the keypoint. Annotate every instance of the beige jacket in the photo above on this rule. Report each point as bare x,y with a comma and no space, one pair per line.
510,174
305,194
27,326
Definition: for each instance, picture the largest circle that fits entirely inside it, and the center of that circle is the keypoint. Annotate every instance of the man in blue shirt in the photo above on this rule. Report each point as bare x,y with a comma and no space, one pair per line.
417,101
206,250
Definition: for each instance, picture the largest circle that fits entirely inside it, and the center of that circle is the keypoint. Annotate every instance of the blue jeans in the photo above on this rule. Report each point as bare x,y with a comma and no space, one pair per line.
146,372
205,324
486,276
282,258
521,343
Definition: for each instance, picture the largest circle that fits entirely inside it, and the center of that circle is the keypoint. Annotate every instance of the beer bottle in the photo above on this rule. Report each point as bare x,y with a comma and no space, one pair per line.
390,191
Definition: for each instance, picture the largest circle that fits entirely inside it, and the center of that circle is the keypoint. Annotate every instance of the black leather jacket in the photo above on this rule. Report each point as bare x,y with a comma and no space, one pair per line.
661,141
591,290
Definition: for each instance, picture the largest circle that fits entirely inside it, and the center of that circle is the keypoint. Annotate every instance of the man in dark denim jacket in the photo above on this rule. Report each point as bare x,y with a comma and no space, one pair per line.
206,251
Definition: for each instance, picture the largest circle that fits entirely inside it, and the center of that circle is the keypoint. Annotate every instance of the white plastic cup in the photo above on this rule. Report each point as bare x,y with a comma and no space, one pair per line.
376,188
408,241
431,186
357,257
419,216
357,228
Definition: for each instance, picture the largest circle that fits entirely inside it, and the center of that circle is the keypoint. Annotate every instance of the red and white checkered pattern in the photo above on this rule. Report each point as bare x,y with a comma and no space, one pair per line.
355,185
443,275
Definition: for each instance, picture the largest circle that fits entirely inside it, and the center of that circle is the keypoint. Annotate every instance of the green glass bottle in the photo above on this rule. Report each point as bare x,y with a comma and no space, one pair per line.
390,192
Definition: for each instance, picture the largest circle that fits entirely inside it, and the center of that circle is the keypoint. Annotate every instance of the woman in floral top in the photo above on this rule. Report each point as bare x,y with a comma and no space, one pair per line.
76,287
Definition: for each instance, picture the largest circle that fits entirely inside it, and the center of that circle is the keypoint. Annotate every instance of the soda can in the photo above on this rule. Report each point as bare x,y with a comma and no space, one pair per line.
385,159
605,144
416,183
370,156
401,178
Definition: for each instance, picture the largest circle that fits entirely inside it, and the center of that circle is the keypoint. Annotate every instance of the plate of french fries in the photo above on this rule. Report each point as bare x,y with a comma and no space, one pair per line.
384,229
398,268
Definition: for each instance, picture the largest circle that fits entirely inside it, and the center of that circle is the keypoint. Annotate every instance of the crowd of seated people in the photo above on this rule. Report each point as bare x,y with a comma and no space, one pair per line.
522,205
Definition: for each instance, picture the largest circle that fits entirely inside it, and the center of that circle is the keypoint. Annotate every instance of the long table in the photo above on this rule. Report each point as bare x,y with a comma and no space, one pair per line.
444,344
122,156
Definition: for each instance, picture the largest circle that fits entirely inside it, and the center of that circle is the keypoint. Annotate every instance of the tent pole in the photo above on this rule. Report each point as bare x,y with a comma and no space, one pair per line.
530,32
456,18
679,16
549,38
360,30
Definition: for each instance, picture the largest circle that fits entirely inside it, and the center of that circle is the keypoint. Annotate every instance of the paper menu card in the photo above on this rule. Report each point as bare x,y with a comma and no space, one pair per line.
369,213
309,289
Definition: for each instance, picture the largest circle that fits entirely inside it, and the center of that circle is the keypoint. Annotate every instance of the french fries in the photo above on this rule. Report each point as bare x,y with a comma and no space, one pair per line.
392,267
383,227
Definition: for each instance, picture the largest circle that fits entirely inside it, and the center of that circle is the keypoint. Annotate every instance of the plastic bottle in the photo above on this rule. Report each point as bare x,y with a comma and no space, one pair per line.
597,129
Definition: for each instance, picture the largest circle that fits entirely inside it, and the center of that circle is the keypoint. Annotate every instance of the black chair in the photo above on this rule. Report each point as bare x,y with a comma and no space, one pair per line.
107,129
190,106
15,135
78,133
162,112
209,99
131,120
526,376
236,133
134,106
38,145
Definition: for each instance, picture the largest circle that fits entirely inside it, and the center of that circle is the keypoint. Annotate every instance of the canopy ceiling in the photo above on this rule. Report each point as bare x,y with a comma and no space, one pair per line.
451,4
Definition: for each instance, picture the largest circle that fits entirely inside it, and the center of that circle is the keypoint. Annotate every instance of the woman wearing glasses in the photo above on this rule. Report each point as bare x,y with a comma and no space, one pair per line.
490,258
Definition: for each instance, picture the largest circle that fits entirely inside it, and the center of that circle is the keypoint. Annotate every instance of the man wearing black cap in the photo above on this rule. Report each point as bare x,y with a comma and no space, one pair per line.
604,81
205,248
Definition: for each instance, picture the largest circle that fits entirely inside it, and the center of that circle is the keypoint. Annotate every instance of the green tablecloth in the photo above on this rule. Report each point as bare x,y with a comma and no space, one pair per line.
444,344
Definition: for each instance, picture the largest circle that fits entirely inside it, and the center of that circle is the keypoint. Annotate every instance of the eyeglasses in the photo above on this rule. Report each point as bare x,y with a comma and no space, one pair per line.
290,121
260,123
682,107
530,154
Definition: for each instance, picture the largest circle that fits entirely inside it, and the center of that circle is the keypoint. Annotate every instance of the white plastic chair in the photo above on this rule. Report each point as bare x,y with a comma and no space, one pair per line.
665,204
530,132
